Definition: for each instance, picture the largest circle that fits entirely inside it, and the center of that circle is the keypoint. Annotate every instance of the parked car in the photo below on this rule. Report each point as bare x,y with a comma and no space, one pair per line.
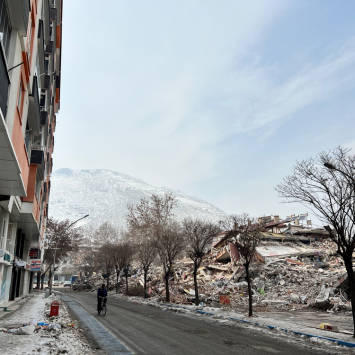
67,283
55,283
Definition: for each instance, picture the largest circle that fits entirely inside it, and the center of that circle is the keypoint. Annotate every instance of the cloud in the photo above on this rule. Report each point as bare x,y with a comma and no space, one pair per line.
168,87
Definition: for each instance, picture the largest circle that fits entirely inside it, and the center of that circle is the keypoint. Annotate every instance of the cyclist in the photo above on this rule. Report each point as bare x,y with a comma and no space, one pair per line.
102,292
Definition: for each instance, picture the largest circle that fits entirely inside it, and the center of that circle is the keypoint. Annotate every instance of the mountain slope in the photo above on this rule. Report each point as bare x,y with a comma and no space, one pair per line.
104,195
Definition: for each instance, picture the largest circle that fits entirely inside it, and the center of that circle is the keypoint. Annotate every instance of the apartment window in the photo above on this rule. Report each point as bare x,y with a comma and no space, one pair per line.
27,138
46,65
5,27
29,42
3,226
38,187
9,239
19,95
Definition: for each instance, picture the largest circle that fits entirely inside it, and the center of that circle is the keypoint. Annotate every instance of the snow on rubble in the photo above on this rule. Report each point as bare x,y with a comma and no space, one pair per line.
29,330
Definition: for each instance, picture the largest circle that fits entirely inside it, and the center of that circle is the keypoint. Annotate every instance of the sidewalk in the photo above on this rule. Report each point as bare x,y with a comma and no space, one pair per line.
63,339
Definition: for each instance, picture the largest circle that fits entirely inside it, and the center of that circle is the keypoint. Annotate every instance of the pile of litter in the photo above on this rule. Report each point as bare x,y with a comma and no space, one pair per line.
40,333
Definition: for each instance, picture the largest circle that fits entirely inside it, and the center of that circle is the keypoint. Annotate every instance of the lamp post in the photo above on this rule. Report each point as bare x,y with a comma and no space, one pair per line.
55,250
333,167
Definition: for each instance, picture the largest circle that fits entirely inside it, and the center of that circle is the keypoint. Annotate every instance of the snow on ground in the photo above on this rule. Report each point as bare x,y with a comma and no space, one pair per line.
67,339
222,315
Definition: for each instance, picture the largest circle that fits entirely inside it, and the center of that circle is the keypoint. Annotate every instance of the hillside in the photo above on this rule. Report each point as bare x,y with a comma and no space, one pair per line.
104,195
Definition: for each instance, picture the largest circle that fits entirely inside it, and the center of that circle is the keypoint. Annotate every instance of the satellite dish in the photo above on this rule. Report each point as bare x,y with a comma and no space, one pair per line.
2,252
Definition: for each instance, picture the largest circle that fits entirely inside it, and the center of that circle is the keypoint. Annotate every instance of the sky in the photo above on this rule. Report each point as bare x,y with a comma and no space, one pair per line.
217,99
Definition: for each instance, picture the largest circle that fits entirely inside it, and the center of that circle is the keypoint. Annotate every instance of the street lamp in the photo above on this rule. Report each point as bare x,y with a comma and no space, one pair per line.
330,166
55,250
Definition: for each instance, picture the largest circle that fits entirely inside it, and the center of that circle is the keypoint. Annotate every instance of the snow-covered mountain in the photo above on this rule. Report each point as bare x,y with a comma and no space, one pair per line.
104,195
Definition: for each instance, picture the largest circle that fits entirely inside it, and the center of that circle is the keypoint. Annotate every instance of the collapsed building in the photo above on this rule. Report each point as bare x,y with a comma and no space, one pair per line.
295,266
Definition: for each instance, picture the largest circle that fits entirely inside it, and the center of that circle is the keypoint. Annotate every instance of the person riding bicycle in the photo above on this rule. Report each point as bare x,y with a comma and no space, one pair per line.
101,292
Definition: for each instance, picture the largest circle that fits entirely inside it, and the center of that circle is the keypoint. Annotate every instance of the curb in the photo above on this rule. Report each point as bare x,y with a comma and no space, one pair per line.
338,341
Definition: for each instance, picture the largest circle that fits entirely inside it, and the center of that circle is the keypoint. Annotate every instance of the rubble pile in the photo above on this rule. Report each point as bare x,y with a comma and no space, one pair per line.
304,276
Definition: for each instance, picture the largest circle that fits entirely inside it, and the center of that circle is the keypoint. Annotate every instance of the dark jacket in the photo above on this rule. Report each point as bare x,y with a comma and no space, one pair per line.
101,292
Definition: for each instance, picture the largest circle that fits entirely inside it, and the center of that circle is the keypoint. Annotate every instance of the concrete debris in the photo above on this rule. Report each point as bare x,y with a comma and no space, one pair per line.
291,276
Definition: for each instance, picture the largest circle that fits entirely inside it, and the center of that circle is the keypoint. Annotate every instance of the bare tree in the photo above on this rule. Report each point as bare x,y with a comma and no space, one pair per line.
326,184
169,242
198,235
116,258
105,262
151,214
145,254
153,218
127,252
106,233
61,240
245,233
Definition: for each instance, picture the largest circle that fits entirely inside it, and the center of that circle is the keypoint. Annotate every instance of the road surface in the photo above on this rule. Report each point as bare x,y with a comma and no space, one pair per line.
150,330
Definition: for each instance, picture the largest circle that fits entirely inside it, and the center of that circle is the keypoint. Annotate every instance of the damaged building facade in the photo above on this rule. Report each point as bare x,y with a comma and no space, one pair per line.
30,67
295,266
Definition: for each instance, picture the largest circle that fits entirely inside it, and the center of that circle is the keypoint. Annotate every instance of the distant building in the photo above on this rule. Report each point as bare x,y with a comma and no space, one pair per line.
30,67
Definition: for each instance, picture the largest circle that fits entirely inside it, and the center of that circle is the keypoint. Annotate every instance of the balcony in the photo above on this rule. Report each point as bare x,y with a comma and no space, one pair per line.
47,81
49,48
46,21
34,113
40,41
44,194
4,84
19,11
53,13
37,158
11,182
44,118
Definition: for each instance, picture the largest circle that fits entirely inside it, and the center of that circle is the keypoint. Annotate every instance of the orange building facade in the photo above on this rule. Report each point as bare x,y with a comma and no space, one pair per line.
30,71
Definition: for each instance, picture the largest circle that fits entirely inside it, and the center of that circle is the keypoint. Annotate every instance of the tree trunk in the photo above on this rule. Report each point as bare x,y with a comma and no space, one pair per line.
117,277
108,281
145,283
126,275
167,293
249,291
38,280
42,280
50,280
197,301
349,268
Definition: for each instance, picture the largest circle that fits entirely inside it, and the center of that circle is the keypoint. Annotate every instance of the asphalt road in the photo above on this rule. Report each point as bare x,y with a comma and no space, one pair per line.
150,330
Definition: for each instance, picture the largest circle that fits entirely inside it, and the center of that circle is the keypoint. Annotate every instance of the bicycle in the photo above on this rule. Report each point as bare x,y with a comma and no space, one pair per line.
103,307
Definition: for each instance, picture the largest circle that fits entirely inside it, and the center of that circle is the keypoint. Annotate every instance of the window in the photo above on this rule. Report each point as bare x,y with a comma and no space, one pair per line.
29,42
19,96
5,27
27,138
38,187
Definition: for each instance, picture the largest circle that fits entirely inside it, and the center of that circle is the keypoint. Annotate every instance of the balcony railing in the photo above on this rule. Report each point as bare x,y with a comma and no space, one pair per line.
19,11
34,113
37,158
4,83
44,117
49,48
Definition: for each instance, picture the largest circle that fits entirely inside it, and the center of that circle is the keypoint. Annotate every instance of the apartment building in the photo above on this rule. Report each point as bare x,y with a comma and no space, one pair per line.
30,71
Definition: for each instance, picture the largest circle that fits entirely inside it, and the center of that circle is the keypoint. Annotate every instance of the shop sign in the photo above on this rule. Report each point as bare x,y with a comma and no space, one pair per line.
33,254
28,266
7,257
21,263
36,265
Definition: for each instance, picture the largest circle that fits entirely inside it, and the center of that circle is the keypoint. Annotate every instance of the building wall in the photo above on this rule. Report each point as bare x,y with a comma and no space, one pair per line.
16,119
